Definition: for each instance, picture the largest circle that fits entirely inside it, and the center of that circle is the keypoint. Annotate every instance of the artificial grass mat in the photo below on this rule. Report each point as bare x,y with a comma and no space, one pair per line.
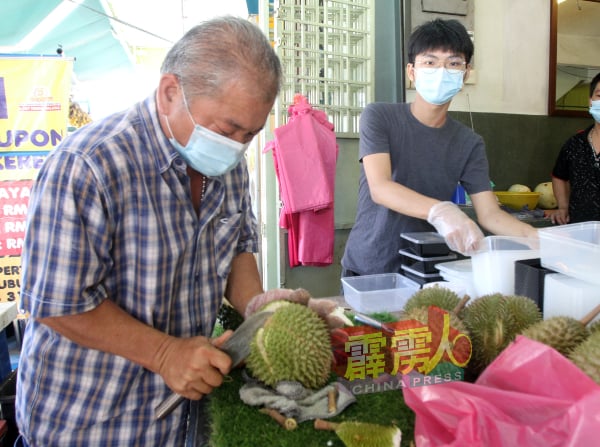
235,424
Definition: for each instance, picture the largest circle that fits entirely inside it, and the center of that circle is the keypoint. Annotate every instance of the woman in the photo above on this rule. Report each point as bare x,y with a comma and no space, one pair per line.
576,174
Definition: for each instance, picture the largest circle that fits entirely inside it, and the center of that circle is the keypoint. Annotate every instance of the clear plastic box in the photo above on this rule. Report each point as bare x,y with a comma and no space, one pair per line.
459,272
385,292
494,263
572,249
569,297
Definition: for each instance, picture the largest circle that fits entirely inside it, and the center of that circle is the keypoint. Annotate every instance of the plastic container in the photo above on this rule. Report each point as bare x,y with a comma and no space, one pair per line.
386,292
494,263
426,243
529,280
572,249
424,264
420,277
459,273
568,296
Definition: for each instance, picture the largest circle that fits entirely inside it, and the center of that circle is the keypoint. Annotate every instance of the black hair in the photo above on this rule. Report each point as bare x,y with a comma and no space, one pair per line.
438,34
593,84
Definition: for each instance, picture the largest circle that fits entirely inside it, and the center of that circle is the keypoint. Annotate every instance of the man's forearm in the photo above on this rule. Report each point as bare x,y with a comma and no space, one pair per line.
243,282
110,329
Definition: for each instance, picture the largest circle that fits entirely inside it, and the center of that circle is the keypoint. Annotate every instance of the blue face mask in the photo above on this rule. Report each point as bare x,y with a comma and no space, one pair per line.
595,110
438,86
208,152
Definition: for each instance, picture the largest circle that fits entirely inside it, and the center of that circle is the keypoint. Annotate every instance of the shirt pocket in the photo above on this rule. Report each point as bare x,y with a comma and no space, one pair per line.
227,233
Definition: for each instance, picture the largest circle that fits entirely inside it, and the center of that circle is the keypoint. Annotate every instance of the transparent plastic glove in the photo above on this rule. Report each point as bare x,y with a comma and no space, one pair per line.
460,232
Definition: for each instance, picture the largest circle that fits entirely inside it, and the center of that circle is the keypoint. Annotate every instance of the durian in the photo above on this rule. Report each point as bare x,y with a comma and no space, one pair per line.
587,356
493,321
560,333
362,434
421,314
441,297
594,327
293,344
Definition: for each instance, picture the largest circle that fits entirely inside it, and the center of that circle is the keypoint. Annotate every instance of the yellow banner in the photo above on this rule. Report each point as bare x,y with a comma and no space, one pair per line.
34,112
34,102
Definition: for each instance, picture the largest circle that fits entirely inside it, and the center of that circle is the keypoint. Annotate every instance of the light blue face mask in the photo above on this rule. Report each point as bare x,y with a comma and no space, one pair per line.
208,152
438,86
595,110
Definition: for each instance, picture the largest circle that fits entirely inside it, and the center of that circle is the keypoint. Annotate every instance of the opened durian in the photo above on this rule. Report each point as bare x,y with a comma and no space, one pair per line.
493,321
293,344
560,333
587,356
441,297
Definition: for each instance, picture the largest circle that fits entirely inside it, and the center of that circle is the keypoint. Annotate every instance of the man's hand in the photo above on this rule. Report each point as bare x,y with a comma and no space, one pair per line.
460,232
193,367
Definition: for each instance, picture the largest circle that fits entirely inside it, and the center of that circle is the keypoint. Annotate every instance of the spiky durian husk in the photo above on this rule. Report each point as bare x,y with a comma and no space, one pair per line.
441,297
561,333
294,344
493,321
594,327
587,356
524,310
355,434
422,314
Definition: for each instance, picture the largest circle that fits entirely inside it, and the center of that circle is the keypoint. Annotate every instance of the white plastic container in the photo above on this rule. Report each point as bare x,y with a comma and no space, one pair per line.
572,249
569,297
494,263
386,292
460,274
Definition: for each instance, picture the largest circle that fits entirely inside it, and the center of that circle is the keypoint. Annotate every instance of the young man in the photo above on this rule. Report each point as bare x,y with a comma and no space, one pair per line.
413,156
138,226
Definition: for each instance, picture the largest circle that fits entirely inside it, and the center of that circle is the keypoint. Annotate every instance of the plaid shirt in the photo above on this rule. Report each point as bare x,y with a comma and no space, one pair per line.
110,216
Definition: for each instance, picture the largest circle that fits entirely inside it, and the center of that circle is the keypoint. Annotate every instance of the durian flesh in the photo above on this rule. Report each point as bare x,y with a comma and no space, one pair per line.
294,344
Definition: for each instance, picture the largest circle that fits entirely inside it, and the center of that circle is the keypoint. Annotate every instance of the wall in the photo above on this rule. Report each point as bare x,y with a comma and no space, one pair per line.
508,108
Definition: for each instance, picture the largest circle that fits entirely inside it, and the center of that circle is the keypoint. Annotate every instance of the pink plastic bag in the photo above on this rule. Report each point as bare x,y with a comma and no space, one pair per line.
305,153
529,396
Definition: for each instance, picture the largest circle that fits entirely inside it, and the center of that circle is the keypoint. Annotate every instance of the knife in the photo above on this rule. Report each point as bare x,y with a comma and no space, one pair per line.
369,321
237,347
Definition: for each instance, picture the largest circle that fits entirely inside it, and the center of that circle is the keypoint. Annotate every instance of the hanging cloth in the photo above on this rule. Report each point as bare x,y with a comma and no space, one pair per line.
305,153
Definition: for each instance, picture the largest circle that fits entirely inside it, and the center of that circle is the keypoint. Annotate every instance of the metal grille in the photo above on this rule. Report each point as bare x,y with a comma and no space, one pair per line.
325,48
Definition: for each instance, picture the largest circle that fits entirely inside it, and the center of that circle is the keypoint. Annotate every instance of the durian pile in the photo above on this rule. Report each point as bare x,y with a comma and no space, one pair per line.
493,321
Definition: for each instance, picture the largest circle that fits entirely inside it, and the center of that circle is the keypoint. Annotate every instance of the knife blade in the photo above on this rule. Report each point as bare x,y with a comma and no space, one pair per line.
237,347
369,321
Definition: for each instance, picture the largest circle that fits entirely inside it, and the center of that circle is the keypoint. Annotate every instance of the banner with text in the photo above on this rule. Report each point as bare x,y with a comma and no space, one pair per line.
34,110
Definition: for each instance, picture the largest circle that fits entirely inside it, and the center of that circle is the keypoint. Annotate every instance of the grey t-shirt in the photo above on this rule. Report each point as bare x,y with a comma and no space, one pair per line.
428,160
